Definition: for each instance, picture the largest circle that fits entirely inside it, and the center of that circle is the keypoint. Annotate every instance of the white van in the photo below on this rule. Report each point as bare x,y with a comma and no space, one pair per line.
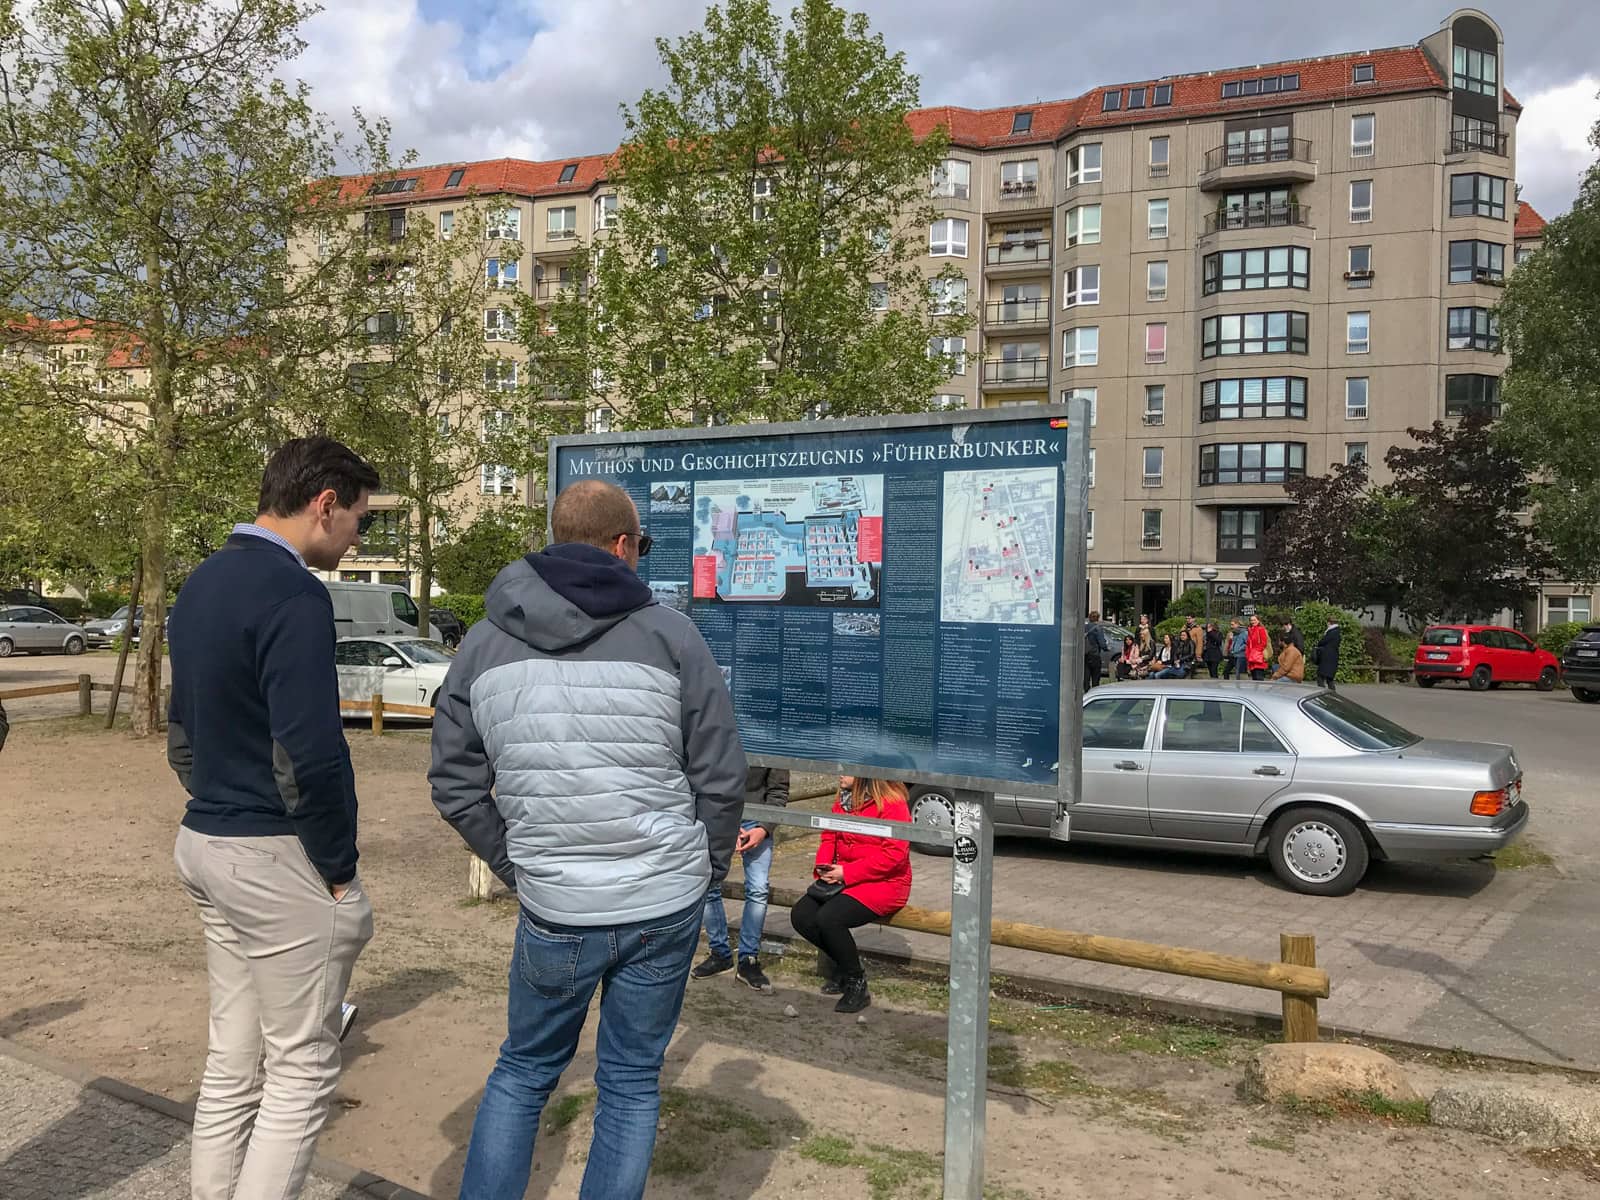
375,610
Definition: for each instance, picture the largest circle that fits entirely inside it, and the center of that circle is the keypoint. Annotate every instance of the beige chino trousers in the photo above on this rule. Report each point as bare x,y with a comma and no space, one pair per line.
279,952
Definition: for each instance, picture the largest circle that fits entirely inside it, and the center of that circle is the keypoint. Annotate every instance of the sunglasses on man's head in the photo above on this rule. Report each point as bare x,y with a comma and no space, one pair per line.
645,542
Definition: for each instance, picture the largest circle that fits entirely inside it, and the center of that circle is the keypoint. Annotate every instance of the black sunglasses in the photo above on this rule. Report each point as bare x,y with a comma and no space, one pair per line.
645,542
365,523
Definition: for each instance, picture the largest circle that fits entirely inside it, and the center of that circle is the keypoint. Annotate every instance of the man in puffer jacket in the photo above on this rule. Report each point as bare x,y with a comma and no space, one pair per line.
584,746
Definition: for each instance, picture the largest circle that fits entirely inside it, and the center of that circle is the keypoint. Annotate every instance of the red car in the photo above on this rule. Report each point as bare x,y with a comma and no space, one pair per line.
1483,656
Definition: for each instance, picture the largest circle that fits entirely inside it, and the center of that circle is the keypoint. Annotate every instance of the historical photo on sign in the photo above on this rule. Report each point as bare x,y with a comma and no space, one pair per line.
671,593
670,497
999,554
810,542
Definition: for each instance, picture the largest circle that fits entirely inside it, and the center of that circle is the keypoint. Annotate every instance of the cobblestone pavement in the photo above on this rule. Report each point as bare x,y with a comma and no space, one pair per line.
62,1140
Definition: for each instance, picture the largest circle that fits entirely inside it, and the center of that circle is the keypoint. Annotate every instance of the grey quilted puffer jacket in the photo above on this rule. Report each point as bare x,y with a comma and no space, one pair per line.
584,744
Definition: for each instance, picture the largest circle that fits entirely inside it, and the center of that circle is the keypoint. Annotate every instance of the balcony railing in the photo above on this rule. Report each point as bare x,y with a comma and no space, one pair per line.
1486,141
1013,189
1008,253
1017,312
1016,370
1258,216
556,290
1252,153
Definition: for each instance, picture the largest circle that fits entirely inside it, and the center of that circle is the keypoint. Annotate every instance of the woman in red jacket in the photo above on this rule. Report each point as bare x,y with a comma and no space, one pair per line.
1257,646
870,878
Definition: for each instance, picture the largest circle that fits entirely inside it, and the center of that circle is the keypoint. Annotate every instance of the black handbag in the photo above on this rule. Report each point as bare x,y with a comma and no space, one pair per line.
822,892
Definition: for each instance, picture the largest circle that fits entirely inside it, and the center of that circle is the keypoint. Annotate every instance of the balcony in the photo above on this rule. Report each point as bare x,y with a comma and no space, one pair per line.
1257,216
1284,160
1007,315
1016,372
549,289
1019,193
1018,258
1486,141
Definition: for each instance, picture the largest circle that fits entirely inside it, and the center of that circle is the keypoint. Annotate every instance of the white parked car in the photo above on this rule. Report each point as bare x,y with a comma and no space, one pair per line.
401,670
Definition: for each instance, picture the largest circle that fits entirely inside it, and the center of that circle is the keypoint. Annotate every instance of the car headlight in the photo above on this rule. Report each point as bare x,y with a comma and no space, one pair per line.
114,627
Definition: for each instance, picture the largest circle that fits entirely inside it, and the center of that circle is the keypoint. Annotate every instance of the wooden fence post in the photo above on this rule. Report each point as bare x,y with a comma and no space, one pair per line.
377,712
85,695
481,883
1299,1012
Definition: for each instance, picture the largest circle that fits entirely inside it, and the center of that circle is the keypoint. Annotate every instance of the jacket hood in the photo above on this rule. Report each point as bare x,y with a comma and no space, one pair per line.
564,595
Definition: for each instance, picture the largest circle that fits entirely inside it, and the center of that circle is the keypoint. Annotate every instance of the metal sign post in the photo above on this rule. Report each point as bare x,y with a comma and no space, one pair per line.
967,1057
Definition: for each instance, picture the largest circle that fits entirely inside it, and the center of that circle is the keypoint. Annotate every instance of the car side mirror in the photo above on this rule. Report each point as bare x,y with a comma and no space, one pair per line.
392,662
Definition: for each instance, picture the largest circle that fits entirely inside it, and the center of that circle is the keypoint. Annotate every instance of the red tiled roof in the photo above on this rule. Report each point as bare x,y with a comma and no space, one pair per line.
1529,223
988,128
123,354
517,176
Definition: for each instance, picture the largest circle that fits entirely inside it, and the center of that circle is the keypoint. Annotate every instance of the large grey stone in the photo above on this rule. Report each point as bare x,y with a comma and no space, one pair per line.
1323,1071
1544,1110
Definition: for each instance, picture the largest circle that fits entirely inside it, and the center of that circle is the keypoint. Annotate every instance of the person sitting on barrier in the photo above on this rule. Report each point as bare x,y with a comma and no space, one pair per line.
1166,664
1130,662
1291,663
860,878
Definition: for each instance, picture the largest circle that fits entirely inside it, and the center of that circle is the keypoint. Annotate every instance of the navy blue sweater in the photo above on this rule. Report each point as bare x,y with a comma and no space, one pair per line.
254,732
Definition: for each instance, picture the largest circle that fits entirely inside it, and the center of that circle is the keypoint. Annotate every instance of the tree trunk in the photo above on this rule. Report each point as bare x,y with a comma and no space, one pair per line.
145,715
424,568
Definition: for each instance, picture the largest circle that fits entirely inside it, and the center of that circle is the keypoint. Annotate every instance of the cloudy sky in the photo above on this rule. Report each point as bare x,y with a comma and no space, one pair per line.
463,79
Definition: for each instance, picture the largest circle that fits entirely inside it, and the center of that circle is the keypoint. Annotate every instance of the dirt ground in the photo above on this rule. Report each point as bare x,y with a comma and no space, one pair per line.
102,964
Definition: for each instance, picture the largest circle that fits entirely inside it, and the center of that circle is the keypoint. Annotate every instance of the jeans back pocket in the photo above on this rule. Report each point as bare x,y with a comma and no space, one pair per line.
668,949
547,960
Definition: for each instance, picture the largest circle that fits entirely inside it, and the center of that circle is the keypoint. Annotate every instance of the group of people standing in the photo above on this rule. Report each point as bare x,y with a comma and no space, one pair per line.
1243,651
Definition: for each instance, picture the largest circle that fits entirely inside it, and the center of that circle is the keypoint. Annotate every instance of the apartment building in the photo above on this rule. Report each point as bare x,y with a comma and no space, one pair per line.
1251,273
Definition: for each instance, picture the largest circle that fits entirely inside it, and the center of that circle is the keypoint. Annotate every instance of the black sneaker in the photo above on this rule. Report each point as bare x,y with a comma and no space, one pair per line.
712,964
751,975
855,997
832,987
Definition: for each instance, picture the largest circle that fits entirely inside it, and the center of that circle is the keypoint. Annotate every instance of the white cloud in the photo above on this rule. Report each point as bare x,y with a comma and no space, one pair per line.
1553,148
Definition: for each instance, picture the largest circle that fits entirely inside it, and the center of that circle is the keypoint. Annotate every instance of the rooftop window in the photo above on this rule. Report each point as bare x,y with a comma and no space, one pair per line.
455,177
1022,122
390,186
1362,73
568,173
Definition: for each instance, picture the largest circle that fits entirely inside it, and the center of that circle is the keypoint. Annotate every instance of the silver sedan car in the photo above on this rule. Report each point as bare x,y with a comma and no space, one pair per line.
38,630
1307,777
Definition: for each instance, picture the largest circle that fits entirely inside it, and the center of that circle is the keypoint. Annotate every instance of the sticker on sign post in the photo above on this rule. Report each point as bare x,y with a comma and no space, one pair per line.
966,849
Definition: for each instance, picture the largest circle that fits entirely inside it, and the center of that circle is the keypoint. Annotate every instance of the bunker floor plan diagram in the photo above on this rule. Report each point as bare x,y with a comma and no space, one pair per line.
999,550
813,541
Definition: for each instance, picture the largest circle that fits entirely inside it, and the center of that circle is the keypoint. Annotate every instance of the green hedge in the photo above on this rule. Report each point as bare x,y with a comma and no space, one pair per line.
466,605
69,607
1311,619
103,603
1556,638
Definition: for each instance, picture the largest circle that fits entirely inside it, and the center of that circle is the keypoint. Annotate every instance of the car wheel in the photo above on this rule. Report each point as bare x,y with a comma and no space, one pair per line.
1481,678
1317,852
1586,696
1426,681
75,645
6,647
933,809
1547,680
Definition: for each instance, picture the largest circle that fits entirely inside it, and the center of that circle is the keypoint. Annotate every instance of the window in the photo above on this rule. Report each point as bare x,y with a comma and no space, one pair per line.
500,273
597,420
387,223
1471,393
447,222
1020,178
1155,403
1089,395
500,376
1155,343
1080,347
945,401
390,186
954,348
1136,97
1251,462
568,173
1257,210
1478,195
1253,399
453,180
605,212
948,295
495,480
1083,225
1473,329
1469,134
1118,724
1150,536
384,326
1251,270
1160,156
499,324
1362,134
1154,458
1091,465
1360,200
1080,285
1156,218
496,422
1239,533
1254,333
1162,95
878,296
952,179
1259,143
504,225
1088,528
1362,73
1357,332
1524,253
1355,452
1155,280
1475,71
1208,727
1111,101
561,223
1022,122
1083,164
948,238
1355,399
1358,267
1470,261
1561,609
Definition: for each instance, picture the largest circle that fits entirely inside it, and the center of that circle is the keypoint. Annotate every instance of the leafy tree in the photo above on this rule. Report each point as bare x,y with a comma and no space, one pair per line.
1452,521
763,263
1550,320
1322,548
153,167
470,562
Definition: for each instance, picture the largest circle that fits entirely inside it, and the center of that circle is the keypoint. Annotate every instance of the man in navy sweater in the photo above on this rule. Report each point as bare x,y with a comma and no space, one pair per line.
267,849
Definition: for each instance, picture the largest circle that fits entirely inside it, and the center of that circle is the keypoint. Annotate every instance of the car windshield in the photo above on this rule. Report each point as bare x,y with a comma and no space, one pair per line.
426,652
121,614
1357,726
1443,637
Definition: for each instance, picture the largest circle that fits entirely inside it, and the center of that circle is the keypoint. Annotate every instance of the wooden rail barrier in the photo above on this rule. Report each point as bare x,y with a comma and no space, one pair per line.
1301,982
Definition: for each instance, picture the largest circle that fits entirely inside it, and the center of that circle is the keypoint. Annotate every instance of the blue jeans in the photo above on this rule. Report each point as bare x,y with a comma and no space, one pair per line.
1171,673
641,971
757,868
